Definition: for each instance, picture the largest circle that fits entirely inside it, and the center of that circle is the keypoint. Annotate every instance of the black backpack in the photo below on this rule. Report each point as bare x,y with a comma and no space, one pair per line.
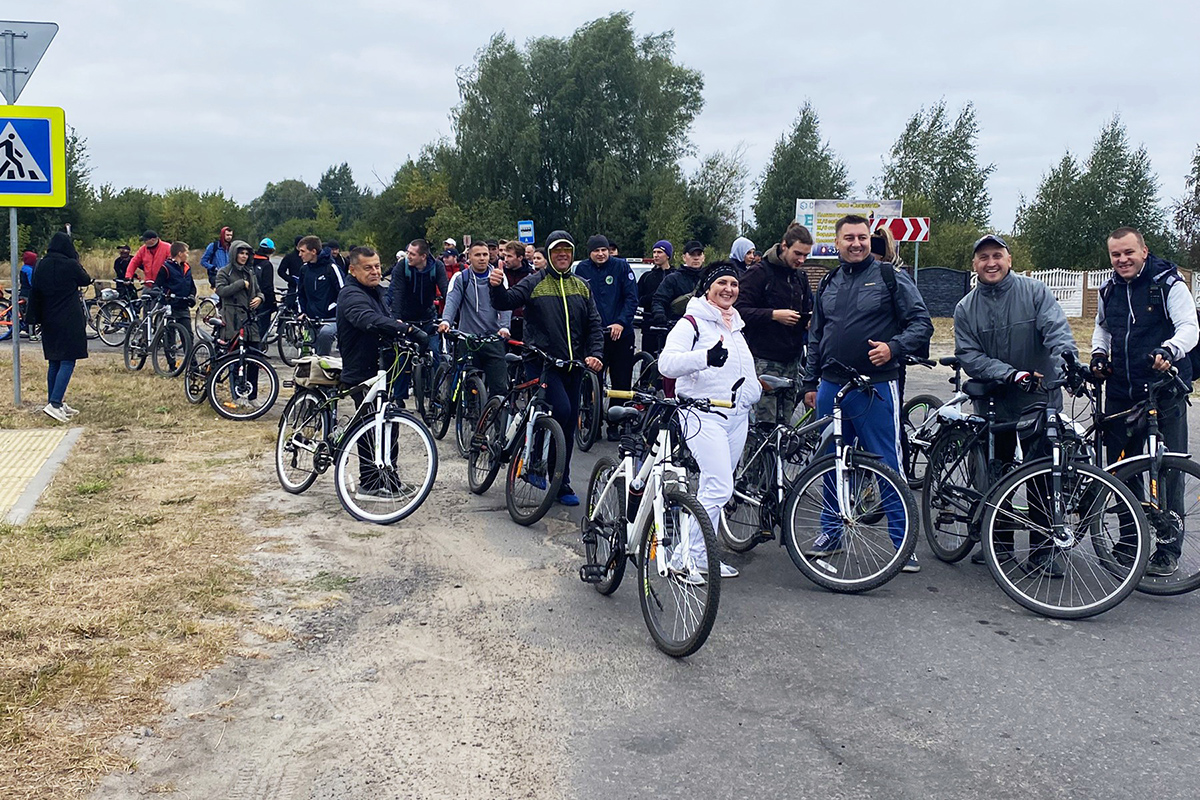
888,270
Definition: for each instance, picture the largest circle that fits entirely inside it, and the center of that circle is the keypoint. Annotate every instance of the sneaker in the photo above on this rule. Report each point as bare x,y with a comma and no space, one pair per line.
692,577
1045,560
378,493
1162,564
70,411
567,497
825,545
537,481
726,571
911,565
55,412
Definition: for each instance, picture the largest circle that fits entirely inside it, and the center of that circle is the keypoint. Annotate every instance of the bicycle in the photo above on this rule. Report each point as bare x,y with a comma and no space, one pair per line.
116,314
297,335
458,391
518,429
640,509
242,384
156,335
206,309
913,416
200,359
385,460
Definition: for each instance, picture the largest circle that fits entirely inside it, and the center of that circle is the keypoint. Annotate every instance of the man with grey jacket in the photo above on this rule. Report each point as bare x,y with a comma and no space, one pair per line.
1010,329
469,301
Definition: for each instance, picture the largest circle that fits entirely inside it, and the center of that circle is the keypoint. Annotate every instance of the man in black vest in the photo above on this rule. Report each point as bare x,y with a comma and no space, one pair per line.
1145,324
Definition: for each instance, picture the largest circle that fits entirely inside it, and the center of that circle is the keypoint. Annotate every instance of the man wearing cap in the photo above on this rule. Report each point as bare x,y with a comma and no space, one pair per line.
149,258
493,252
868,322
216,255
615,291
1145,324
265,273
1011,329
119,266
652,341
672,295
561,319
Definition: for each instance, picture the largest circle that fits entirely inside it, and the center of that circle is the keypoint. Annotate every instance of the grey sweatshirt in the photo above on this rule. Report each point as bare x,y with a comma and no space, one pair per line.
470,303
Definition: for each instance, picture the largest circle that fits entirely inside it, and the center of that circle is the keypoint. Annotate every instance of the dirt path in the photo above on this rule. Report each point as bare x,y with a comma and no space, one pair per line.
383,664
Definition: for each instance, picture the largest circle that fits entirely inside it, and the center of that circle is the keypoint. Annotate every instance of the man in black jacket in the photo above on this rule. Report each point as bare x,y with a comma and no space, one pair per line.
677,284
775,302
652,341
264,271
320,282
289,270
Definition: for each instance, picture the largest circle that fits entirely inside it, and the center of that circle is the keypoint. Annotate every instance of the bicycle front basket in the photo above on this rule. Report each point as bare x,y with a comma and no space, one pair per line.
318,371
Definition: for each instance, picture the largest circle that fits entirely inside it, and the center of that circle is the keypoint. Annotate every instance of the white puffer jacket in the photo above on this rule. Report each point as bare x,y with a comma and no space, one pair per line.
688,363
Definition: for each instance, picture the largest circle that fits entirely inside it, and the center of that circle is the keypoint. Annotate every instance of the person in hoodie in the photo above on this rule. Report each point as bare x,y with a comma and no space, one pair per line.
707,355
776,303
469,306
614,289
216,255
264,270
647,285
54,303
412,296
677,284
241,297
741,254
320,282
28,262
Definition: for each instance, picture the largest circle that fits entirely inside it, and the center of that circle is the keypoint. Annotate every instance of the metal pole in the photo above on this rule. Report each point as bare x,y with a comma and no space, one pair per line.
916,261
10,91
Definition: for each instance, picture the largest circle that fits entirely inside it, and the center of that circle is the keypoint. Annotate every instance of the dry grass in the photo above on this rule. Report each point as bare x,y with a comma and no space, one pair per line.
943,332
114,589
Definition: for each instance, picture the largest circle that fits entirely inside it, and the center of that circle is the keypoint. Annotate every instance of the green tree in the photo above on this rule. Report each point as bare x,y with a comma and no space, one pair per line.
715,194
123,215
1187,215
801,166
402,211
289,199
338,187
324,224
483,219
197,218
667,217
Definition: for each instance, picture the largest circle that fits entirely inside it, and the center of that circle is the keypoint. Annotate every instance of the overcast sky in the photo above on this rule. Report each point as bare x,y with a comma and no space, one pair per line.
235,93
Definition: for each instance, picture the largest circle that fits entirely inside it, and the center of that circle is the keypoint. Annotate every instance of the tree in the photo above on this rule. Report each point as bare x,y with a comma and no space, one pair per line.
123,216
715,194
1068,222
667,217
1187,215
338,187
289,199
801,166
936,159
483,219
402,211
324,224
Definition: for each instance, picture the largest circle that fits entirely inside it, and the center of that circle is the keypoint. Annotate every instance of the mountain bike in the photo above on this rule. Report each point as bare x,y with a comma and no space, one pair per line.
116,314
639,509
154,332
385,459
458,391
242,384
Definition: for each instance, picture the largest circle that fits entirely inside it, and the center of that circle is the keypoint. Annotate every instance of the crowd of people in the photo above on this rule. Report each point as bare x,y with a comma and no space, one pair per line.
714,328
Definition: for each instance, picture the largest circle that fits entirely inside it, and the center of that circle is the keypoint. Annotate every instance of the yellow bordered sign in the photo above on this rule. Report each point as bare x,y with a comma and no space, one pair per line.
33,157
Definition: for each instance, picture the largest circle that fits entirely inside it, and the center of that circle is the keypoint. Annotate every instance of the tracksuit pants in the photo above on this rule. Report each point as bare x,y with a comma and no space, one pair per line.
716,443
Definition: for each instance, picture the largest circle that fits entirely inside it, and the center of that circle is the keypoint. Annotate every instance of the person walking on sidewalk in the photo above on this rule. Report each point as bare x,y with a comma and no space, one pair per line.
54,303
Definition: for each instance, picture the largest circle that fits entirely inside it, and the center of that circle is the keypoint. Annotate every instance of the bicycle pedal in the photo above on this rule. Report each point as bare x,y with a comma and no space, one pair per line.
764,536
592,573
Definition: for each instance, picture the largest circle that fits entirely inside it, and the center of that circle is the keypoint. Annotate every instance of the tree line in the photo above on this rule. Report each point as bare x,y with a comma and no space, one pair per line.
590,133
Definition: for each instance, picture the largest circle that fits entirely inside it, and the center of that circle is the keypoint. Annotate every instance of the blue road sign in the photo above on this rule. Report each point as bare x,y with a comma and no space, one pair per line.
525,231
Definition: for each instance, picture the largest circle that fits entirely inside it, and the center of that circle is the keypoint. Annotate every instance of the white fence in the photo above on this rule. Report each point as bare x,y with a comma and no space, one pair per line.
1067,286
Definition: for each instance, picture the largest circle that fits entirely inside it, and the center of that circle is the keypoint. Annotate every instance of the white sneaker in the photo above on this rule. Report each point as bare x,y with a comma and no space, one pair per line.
692,577
70,411
726,571
56,413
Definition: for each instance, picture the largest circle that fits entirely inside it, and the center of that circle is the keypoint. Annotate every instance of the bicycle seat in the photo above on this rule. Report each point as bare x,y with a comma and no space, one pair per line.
976,389
949,361
619,414
772,383
513,358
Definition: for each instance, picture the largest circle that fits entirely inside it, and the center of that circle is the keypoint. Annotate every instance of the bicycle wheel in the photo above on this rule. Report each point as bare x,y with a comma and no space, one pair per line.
470,407
291,341
742,520
591,409
195,374
205,310
535,473
679,579
645,372
422,380
487,446
605,522
954,484
914,414
1179,479
112,321
136,347
442,400
386,468
1088,567
303,427
272,334
242,387
858,548
168,351
92,309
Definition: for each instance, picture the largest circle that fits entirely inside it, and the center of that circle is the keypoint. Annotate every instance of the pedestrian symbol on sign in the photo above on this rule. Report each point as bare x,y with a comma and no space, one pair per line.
16,164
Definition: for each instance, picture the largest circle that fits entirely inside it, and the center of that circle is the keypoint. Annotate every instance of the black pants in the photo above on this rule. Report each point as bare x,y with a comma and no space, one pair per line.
489,357
369,477
1039,507
562,392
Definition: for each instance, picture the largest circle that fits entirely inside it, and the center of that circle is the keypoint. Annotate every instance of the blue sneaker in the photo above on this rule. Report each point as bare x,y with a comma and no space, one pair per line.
567,497
536,481
824,546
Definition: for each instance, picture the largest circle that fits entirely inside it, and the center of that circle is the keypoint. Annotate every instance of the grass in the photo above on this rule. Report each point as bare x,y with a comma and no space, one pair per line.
943,332
330,582
125,580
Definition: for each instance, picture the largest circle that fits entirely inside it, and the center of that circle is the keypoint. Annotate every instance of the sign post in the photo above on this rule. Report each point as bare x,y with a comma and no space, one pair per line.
24,180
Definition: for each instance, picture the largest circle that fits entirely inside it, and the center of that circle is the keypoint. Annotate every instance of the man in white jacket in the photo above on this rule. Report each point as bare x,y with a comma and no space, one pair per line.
708,356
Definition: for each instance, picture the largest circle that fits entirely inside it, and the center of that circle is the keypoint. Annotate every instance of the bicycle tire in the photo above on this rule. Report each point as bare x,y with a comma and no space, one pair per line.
608,523
291,341
741,521
272,334
1095,567
303,424
196,371
914,413
442,400
169,350
136,347
487,446
591,410
701,602
112,321
548,454
645,372
415,457
92,311
946,510
421,381
205,309
228,377
1187,575
470,408
859,557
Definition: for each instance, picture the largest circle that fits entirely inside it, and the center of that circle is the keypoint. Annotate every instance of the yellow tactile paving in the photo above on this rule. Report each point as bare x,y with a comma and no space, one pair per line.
22,454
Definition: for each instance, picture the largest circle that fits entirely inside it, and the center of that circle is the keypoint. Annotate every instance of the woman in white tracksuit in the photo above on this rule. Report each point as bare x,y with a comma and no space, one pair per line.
711,360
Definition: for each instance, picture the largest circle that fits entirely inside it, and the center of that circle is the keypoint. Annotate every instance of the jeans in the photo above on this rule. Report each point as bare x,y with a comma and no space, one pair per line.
764,409
562,393
58,375
326,336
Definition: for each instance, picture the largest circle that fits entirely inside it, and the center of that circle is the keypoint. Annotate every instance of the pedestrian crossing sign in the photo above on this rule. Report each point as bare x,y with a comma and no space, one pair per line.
33,157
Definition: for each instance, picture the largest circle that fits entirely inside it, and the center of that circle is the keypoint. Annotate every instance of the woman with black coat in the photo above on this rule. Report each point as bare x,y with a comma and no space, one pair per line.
54,303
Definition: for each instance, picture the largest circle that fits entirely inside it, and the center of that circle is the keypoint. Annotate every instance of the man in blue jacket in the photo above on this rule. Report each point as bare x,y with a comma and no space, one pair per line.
614,289
216,255
320,282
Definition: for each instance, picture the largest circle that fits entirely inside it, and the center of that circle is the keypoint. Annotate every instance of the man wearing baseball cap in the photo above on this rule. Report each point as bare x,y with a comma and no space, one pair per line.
652,341
149,258
676,289
1011,329
560,319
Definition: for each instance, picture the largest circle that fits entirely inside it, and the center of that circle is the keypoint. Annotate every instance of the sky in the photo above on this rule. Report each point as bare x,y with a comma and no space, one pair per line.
232,94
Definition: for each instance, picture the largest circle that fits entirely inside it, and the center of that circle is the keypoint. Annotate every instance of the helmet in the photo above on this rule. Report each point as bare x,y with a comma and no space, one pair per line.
267,243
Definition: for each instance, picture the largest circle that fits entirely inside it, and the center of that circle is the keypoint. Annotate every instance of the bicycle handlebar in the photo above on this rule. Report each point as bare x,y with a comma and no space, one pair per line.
625,394
918,361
